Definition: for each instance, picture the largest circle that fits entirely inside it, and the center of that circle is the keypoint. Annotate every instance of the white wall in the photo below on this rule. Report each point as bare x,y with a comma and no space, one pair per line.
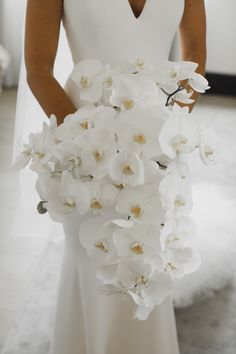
11,18
221,36
11,34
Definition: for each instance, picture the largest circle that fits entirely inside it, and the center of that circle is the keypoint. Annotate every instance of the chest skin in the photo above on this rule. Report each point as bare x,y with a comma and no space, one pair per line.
137,6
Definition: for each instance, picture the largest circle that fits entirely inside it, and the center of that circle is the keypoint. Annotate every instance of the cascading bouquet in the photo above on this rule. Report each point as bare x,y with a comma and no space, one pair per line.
120,159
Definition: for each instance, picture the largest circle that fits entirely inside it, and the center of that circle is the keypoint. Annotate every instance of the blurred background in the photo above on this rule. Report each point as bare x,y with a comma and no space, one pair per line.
31,246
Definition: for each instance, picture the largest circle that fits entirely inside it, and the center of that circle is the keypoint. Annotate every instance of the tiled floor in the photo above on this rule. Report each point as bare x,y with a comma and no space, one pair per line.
18,255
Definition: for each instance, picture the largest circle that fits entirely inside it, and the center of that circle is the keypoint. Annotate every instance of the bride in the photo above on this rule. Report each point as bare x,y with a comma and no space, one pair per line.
107,30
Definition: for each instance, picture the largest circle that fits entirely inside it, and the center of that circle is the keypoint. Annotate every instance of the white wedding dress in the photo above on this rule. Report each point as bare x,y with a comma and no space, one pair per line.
87,322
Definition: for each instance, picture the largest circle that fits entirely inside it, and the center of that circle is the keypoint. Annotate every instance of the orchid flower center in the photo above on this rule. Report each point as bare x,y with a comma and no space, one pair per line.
102,246
209,153
119,186
179,202
69,203
139,138
171,266
172,238
178,141
98,155
84,125
136,211
85,82
142,280
26,150
96,204
140,63
108,81
75,160
127,169
174,71
39,154
137,248
128,103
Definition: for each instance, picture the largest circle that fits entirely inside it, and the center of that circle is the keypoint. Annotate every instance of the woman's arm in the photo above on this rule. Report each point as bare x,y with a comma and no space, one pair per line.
192,32
43,20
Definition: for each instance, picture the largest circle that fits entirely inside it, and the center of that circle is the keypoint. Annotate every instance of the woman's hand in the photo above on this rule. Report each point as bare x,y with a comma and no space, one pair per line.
43,19
192,32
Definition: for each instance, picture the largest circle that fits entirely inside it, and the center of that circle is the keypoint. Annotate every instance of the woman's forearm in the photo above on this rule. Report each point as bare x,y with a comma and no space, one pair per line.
50,95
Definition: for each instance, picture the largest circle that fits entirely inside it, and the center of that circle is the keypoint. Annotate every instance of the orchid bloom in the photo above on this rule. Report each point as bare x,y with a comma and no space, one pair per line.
142,127
66,197
141,204
126,167
100,242
179,133
178,233
181,261
130,90
138,241
87,75
175,194
209,146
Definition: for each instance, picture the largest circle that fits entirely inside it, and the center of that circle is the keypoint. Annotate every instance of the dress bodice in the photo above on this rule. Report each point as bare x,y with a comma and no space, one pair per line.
108,30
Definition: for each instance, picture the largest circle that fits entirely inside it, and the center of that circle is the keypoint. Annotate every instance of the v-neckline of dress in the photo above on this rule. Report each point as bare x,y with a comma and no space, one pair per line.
132,12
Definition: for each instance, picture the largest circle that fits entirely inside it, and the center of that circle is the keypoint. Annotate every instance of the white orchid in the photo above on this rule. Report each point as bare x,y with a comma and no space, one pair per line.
130,90
141,204
178,233
107,78
99,150
181,70
141,126
184,96
25,155
95,235
170,73
86,117
87,74
43,143
151,171
67,197
179,133
147,287
138,241
126,167
39,147
69,155
137,66
102,196
209,146
182,261
175,194
180,167
198,83
175,78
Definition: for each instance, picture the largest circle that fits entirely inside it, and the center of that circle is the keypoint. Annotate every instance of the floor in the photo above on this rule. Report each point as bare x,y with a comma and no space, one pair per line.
19,256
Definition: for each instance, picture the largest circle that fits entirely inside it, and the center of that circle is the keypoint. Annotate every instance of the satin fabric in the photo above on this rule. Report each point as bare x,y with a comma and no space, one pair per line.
87,322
